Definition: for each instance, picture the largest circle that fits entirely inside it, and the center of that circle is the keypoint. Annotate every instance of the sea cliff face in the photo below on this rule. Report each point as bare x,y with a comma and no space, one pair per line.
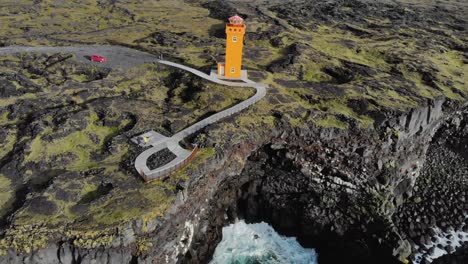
335,190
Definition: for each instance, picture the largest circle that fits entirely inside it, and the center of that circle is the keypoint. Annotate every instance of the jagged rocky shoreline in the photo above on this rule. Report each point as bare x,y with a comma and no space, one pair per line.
439,198
366,194
355,192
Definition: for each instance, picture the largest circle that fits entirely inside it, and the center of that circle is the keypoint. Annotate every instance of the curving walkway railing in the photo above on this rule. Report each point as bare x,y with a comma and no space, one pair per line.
205,76
169,168
182,158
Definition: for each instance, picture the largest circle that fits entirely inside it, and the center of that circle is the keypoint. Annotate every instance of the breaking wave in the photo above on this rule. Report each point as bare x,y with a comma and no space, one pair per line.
259,244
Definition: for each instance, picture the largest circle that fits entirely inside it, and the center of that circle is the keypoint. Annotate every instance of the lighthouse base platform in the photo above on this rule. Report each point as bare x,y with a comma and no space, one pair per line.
214,74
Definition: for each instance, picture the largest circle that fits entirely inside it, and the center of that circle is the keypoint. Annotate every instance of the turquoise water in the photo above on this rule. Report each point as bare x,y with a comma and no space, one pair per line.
259,244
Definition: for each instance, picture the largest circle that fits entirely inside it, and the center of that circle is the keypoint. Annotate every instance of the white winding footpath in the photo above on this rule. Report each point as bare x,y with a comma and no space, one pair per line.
126,58
172,143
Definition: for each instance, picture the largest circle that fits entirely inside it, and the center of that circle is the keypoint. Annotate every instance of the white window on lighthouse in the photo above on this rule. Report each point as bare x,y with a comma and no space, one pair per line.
234,39
233,70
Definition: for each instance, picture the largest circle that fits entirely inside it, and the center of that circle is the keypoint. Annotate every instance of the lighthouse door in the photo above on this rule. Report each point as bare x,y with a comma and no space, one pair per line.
222,70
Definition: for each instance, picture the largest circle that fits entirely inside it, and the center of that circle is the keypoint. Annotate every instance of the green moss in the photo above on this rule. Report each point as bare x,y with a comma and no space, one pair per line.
142,246
339,107
330,121
313,73
11,100
327,40
8,142
205,153
78,144
145,80
90,21
149,202
6,194
121,206
4,117
201,157
89,193
115,215
388,98
80,77
297,122
24,240
451,68
449,92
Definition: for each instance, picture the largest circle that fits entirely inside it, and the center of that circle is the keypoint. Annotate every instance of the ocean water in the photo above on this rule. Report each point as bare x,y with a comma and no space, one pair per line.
259,244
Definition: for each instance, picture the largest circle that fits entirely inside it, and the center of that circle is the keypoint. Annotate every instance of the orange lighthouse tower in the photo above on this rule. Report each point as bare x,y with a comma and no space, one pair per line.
235,31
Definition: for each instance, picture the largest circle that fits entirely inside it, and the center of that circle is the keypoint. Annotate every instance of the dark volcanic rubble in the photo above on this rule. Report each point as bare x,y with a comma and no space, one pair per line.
440,195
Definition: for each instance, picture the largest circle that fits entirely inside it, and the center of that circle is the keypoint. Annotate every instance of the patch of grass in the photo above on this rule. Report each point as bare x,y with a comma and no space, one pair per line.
451,68
25,239
89,193
416,78
298,121
205,153
6,194
145,202
4,118
338,106
388,98
142,246
63,196
115,215
249,121
145,81
313,73
80,77
330,121
328,40
149,202
78,144
8,142
14,99
201,157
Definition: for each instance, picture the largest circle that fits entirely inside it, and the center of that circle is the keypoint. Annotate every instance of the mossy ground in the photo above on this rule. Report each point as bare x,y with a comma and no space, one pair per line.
80,141
6,193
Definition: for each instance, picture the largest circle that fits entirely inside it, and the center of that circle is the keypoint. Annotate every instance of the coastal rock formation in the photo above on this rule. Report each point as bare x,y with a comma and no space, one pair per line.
337,190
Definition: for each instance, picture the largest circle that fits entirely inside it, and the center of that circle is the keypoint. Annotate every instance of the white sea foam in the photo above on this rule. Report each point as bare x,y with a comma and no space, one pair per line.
452,237
259,243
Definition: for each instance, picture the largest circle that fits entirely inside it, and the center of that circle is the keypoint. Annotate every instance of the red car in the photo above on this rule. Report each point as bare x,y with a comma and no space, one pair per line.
98,58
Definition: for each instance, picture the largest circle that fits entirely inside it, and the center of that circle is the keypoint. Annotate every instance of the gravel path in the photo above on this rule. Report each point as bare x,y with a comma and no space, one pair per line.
117,56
